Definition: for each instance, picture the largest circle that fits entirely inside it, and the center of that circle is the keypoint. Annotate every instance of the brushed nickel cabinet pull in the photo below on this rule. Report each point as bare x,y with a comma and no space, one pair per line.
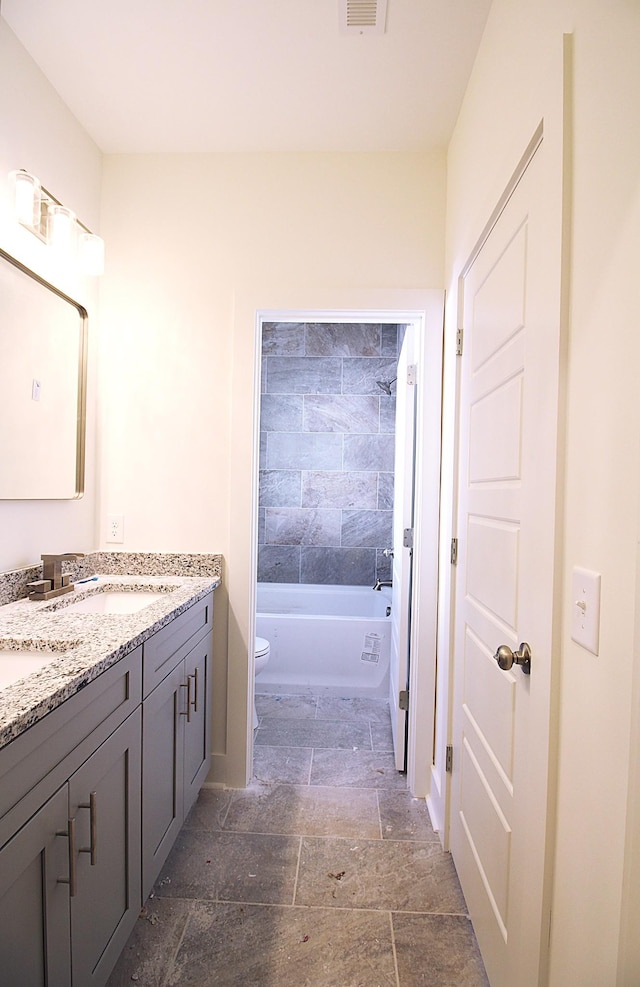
195,693
92,806
187,685
71,836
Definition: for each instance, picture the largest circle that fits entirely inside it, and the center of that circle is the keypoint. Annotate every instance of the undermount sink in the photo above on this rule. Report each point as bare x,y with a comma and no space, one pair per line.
18,662
109,601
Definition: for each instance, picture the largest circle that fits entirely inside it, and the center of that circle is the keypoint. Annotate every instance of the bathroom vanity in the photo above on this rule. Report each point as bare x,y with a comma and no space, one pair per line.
102,753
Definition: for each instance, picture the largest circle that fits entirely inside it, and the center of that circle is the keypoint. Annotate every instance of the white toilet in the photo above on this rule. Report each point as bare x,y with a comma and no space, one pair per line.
261,657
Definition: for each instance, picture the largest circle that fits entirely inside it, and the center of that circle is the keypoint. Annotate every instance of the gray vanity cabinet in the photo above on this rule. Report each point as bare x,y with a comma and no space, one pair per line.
176,732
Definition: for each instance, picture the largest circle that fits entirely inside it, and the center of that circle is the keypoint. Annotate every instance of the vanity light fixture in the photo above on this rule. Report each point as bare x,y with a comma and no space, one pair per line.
55,224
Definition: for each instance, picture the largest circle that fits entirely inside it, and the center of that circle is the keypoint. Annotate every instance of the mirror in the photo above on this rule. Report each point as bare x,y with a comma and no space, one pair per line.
43,371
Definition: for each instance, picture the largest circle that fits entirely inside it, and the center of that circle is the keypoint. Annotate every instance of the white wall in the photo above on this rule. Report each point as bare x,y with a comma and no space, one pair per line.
516,82
196,244
40,134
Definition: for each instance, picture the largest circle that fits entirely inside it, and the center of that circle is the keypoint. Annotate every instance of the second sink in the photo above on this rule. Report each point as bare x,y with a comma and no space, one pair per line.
114,602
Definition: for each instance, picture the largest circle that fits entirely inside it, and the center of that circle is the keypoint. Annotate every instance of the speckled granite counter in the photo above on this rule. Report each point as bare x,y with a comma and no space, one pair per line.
88,644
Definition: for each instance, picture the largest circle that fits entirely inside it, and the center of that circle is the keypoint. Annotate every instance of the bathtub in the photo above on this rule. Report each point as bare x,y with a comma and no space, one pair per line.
325,640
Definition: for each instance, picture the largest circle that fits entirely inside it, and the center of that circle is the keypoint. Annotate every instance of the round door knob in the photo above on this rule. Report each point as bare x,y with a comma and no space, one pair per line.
507,658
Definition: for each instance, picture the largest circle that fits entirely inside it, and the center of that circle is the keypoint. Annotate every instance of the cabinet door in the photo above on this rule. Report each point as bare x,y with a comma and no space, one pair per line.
34,907
107,901
197,744
162,772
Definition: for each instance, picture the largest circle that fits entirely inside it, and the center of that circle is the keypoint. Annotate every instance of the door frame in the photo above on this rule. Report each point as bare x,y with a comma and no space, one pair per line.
425,309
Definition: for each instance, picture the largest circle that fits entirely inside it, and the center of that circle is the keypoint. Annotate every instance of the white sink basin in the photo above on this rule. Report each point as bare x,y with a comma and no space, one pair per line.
114,601
17,664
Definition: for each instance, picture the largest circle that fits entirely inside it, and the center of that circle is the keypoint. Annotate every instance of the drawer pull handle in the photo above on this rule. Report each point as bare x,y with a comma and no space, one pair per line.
187,685
71,836
195,691
92,806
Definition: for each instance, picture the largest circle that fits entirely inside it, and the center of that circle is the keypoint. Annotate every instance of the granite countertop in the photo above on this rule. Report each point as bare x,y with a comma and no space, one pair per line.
88,643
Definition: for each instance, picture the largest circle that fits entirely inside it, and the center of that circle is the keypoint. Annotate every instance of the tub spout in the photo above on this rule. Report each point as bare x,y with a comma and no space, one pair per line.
382,582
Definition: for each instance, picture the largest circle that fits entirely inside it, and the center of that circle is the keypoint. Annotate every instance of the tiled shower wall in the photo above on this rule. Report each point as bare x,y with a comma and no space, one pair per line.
326,452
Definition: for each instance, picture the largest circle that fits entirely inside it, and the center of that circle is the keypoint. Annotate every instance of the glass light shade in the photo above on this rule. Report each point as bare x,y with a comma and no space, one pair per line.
27,198
61,224
91,253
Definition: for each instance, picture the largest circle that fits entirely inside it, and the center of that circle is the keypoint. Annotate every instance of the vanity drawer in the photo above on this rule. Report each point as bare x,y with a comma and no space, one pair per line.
42,758
163,651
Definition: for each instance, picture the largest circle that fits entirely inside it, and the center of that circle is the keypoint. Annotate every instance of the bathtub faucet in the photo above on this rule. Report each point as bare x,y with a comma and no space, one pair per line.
382,582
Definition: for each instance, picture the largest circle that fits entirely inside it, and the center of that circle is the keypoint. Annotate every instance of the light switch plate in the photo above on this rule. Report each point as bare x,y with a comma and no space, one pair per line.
585,608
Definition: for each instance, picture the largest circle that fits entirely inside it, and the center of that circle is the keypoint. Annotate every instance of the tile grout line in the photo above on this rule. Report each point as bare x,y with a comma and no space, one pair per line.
295,882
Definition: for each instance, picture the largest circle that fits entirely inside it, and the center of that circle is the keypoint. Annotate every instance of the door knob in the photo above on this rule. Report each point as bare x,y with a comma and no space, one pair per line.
506,657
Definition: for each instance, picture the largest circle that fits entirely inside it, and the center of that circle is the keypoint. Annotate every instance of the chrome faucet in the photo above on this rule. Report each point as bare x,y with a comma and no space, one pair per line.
382,582
54,581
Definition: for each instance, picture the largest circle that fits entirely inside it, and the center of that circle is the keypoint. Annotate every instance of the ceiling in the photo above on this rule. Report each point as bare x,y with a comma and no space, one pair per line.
253,75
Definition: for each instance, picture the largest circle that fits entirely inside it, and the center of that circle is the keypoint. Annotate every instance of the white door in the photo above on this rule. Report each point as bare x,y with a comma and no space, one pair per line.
504,581
402,554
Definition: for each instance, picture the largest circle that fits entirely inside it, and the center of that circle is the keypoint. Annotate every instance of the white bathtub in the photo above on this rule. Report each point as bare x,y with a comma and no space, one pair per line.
325,640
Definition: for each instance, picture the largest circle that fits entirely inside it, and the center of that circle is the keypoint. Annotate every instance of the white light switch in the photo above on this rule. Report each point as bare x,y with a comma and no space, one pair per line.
585,612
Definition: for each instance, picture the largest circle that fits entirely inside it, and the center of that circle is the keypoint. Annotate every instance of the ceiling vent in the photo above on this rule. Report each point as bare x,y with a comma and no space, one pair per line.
362,16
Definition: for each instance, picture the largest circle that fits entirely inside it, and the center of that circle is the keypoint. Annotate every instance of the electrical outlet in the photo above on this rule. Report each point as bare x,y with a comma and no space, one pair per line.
115,528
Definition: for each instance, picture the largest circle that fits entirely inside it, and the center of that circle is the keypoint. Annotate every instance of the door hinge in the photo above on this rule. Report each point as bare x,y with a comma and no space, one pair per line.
407,538
403,699
449,759
411,373
459,339
454,551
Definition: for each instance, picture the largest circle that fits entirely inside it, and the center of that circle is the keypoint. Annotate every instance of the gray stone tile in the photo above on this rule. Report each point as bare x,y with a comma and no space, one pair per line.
356,708
260,946
209,810
302,810
388,413
230,867
383,565
391,874
369,452
343,339
437,951
302,526
356,769
290,765
279,488
279,564
283,338
305,450
302,375
404,817
281,413
261,526
381,737
385,492
338,566
389,342
360,376
312,733
327,488
367,529
288,707
358,413
152,945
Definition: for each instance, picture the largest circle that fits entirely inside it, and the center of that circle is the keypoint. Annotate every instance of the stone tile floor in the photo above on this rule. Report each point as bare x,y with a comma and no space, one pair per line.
325,872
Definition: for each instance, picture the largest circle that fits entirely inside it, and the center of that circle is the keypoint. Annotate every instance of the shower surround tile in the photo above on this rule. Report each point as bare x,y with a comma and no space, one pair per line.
294,526
367,529
281,412
338,339
385,492
383,874
279,563
338,566
369,452
388,414
304,450
360,376
280,488
230,945
325,488
283,338
300,375
304,810
341,413
224,866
